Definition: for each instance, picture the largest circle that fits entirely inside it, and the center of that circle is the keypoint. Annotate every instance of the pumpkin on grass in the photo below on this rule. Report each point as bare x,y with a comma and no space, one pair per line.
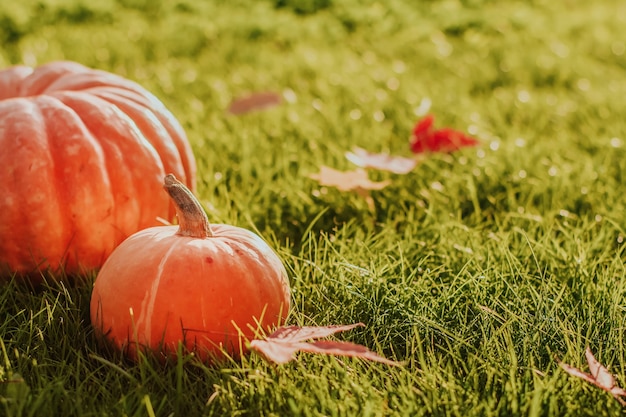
83,155
209,287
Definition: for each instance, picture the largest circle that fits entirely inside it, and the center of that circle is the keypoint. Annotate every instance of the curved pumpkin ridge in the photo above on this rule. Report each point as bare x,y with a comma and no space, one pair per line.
82,78
77,77
149,300
148,122
130,161
145,101
179,137
250,250
150,125
224,286
100,83
30,211
64,76
82,184
39,81
117,175
258,255
11,80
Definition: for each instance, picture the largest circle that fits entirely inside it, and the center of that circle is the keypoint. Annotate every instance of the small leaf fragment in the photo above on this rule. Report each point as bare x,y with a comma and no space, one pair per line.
347,180
345,349
281,346
303,333
382,161
254,101
598,376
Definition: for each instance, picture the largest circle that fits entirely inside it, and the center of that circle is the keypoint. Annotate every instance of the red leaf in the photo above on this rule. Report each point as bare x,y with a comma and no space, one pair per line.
599,376
426,139
382,161
424,126
282,345
348,180
255,101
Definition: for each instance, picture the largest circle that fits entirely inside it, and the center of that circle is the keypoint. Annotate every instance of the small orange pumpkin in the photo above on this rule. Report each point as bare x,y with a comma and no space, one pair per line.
83,155
207,286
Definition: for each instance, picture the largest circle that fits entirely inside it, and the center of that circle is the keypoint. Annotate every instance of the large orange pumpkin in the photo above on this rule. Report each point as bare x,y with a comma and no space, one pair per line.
210,287
83,153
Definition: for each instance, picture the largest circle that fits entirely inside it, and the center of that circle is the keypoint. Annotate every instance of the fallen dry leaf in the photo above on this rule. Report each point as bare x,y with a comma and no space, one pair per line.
598,376
347,180
282,345
383,161
356,180
254,101
427,139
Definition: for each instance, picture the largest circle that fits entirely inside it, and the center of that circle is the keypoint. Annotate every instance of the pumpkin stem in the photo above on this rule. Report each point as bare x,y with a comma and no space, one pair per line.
192,220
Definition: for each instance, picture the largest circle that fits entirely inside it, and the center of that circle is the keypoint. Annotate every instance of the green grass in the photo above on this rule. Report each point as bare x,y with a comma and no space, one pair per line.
475,270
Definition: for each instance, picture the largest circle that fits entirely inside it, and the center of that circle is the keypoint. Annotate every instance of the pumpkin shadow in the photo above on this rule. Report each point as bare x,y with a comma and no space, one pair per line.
43,280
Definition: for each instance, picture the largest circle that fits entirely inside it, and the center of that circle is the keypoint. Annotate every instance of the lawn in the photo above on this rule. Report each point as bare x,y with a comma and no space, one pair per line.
476,270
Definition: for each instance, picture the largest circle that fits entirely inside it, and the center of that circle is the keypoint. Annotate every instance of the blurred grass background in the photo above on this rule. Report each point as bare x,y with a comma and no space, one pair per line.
476,269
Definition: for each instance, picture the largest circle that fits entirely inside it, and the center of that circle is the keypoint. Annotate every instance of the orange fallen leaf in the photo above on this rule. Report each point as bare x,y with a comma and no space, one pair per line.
254,101
383,161
598,376
347,180
282,345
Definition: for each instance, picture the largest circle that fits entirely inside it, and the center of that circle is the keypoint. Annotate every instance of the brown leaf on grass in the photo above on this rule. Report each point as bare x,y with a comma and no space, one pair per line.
356,180
382,161
254,101
282,345
598,376
347,180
